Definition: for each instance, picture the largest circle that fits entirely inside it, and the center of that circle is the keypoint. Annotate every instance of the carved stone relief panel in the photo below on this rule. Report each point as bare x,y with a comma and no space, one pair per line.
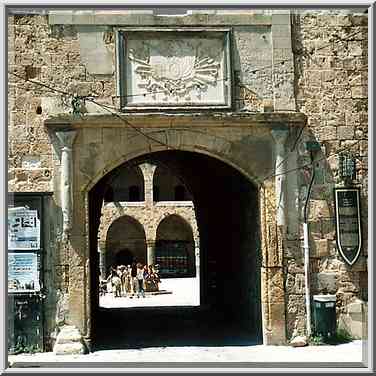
174,68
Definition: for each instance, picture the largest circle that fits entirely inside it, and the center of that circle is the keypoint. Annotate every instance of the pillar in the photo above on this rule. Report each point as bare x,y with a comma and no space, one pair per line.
66,140
102,262
150,259
280,136
148,172
69,339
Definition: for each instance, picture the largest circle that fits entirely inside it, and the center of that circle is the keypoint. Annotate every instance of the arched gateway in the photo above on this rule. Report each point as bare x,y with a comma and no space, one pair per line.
248,148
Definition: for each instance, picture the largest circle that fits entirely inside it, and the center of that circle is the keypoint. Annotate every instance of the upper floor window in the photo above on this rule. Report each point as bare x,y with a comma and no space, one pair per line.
109,195
127,184
156,193
134,193
179,193
167,186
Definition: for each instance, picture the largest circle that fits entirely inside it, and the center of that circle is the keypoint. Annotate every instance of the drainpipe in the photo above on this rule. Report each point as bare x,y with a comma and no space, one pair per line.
306,254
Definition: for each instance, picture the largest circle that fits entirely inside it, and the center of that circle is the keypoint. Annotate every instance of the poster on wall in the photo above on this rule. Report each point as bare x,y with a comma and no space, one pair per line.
348,228
23,229
23,275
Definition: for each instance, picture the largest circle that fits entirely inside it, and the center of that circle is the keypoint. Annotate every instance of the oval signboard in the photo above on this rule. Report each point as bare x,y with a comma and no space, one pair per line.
348,227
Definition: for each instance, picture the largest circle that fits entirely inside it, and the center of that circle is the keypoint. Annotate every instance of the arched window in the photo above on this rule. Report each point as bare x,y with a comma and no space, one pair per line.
109,195
134,193
155,193
169,187
179,193
127,185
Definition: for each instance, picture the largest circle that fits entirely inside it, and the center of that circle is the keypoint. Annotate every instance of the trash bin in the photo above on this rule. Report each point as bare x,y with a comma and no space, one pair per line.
324,315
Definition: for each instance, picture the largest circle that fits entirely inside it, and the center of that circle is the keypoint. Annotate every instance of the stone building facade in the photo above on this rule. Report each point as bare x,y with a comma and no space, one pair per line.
271,82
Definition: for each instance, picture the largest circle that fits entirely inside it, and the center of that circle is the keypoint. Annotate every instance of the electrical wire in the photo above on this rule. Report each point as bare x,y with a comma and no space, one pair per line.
316,161
240,84
280,62
109,109
289,152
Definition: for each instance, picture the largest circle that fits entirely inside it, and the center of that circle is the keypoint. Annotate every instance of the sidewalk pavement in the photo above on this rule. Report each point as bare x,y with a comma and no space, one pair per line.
345,355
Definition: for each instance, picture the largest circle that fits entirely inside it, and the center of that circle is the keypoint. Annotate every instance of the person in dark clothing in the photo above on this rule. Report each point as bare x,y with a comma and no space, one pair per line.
133,279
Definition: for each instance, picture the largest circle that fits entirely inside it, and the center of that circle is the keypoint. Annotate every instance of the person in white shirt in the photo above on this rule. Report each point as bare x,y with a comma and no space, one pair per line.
140,281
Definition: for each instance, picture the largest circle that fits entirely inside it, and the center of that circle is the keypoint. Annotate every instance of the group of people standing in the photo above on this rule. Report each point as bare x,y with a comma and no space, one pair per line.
132,280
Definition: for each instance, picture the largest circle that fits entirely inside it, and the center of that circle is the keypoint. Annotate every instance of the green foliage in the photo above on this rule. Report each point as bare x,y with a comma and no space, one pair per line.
21,348
316,340
341,336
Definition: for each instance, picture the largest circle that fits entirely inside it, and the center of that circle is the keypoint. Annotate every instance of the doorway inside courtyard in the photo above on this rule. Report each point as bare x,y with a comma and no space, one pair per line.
208,262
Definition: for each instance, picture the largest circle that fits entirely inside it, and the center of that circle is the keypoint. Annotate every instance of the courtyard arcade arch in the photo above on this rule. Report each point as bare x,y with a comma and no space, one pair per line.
175,247
125,233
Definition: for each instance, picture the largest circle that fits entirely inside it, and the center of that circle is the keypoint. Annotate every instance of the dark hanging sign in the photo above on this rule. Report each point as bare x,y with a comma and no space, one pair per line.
348,228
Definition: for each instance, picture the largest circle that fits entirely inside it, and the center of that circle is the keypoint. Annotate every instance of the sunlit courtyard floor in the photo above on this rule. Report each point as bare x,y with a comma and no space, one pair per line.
173,292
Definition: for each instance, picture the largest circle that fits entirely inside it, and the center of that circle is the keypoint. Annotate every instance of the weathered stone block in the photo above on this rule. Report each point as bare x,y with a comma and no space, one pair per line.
327,133
69,335
281,19
360,265
293,250
359,91
328,75
319,209
345,133
274,286
359,20
282,42
354,319
327,282
313,78
60,17
295,304
320,248
355,48
343,20
69,341
299,341
69,348
328,229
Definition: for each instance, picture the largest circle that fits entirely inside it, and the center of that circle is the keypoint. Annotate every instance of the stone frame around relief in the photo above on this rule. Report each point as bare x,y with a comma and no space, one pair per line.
201,78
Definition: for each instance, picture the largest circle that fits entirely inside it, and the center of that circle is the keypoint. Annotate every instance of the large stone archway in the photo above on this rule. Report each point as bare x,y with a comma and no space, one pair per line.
253,145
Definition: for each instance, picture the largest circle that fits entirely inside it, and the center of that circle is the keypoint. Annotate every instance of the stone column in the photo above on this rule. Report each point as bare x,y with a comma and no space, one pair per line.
148,172
150,259
197,276
280,136
102,262
66,139
69,339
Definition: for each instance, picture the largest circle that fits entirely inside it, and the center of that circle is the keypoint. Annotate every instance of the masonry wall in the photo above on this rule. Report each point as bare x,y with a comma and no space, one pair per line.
60,50
331,70
327,81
